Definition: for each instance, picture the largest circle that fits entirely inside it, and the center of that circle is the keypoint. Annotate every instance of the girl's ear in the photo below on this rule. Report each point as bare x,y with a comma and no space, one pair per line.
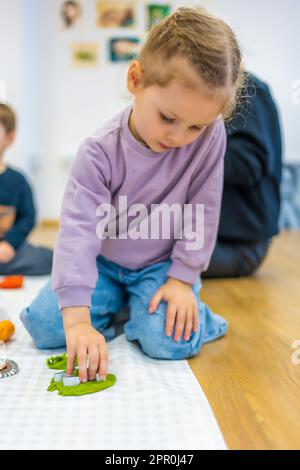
134,77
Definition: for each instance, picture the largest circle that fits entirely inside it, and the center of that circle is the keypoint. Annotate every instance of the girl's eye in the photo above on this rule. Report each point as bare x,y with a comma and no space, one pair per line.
164,118
170,121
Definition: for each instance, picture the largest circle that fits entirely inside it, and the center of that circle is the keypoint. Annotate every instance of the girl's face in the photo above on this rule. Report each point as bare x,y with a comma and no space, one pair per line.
173,116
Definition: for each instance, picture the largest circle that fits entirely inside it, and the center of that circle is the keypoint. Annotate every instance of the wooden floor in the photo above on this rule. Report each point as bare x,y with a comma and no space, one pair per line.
248,376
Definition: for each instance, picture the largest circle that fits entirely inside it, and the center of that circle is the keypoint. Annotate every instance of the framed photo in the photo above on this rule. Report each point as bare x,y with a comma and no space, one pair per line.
85,54
116,14
71,13
156,12
124,49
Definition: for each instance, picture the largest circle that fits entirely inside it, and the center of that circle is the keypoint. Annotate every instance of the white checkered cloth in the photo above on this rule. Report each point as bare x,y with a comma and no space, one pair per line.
155,404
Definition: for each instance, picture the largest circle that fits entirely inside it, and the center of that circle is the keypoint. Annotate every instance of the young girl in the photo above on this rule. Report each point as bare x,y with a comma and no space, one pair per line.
165,149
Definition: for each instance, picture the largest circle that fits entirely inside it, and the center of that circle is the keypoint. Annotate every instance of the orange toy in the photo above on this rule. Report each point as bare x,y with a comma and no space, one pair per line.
7,329
12,282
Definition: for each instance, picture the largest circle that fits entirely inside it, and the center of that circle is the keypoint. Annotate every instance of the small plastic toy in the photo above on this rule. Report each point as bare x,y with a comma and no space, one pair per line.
8,368
12,282
58,377
71,385
98,379
7,329
70,381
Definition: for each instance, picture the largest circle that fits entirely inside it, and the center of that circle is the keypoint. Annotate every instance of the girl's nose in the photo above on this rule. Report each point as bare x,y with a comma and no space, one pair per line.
178,139
179,136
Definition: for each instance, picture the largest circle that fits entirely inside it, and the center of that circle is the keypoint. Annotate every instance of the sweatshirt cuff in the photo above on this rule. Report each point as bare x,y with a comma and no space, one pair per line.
184,273
74,297
14,240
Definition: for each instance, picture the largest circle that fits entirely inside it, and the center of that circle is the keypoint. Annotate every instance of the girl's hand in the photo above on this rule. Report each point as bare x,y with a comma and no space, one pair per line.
7,252
85,343
181,304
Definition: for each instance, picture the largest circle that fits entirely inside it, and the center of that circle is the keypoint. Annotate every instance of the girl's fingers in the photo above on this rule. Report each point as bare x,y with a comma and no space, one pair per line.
82,363
94,360
170,318
180,321
154,302
102,372
71,357
196,319
188,325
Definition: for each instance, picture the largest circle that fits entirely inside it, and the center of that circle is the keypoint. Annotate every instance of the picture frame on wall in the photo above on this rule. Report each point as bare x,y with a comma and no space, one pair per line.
124,49
71,15
116,14
156,12
85,54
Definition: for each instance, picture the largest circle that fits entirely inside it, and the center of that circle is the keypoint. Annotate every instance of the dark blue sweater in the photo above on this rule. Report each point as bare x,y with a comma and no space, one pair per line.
253,161
15,192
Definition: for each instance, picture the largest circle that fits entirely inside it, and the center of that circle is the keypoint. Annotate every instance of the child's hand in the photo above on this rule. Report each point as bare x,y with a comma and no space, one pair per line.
85,343
181,304
7,252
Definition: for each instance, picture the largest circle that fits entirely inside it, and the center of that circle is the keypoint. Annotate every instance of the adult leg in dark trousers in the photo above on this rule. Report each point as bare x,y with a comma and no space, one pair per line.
236,260
30,261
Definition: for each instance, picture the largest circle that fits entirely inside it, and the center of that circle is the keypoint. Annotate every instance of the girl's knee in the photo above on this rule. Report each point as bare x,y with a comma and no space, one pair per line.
172,350
40,308
149,330
161,346
45,334
43,320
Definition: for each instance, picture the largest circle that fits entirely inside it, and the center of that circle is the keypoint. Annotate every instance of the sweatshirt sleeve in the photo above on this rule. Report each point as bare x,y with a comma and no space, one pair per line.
25,217
190,258
75,273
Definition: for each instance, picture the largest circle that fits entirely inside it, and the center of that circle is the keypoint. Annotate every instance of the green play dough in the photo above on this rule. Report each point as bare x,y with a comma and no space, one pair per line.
60,363
83,388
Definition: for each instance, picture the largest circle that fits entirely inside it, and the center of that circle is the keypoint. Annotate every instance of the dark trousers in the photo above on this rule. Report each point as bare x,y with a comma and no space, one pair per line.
30,261
236,260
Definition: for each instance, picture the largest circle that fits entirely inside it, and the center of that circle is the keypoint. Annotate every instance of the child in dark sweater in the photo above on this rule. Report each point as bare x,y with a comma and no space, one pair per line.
17,213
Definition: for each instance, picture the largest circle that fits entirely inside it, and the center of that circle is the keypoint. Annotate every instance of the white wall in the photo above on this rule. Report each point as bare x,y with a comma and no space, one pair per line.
269,33
59,105
10,63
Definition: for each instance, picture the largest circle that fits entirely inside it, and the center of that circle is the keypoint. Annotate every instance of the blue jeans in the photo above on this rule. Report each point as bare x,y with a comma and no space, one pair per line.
119,288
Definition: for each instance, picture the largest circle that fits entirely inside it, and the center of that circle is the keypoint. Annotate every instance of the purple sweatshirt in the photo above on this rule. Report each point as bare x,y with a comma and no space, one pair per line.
112,163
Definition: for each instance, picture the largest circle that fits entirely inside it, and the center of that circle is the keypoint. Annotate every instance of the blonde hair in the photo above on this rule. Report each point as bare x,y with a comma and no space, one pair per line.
208,44
7,118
